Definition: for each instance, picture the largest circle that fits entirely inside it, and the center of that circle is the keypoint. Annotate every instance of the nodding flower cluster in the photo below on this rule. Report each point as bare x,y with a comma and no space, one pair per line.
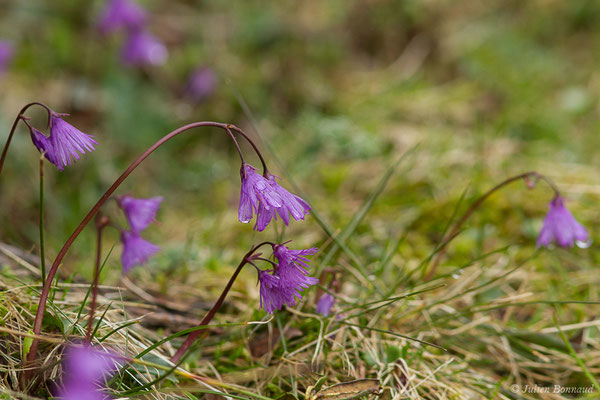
141,47
139,213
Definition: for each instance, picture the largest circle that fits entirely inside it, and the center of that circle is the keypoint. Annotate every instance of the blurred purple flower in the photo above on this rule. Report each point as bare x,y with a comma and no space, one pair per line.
202,83
560,226
66,141
121,14
142,48
136,250
290,204
42,143
325,304
85,368
139,212
293,266
273,296
255,189
6,55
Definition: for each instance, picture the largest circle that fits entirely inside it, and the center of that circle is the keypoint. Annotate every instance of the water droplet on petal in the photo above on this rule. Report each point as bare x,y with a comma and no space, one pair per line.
584,245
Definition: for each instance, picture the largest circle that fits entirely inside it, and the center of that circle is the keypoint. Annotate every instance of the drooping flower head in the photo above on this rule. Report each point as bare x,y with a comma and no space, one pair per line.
136,250
290,205
560,226
42,143
282,285
325,304
255,189
142,48
293,266
6,55
85,370
66,142
139,212
274,295
201,83
121,14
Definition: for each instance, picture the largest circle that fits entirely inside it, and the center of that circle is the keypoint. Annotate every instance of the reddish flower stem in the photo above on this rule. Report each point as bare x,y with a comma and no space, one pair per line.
449,236
37,326
211,313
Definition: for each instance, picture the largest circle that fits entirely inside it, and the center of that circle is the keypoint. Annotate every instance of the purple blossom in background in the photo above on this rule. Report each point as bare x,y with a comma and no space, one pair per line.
293,266
42,143
136,250
325,304
273,296
66,141
139,212
6,55
560,226
255,189
142,48
85,368
202,83
121,14
290,204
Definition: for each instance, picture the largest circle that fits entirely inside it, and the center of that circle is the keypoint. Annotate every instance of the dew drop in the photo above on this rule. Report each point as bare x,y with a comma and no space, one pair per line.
584,245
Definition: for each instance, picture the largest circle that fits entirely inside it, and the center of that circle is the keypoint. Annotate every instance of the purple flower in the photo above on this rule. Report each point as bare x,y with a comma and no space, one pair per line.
290,204
273,295
139,212
6,55
293,266
136,250
118,14
560,226
202,83
42,143
255,189
66,141
282,285
325,304
142,48
84,370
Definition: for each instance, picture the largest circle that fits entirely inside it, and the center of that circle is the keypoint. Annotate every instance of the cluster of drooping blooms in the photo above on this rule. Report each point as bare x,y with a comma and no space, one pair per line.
139,213
265,197
6,55
65,142
141,47
85,370
281,285
560,226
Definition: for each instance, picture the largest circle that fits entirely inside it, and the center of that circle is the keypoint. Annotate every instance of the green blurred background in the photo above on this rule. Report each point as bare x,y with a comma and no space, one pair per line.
339,90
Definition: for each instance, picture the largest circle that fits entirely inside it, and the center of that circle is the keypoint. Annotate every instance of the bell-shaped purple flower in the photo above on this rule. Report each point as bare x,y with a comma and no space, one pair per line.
201,84
142,48
67,141
290,205
42,143
255,189
136,250
139,212
293,266
121,14
273,295
325,304
560,226
85,369
6,55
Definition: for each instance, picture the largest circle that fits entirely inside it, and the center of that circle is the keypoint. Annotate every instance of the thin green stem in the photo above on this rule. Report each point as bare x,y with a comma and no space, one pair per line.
42,247
101,222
